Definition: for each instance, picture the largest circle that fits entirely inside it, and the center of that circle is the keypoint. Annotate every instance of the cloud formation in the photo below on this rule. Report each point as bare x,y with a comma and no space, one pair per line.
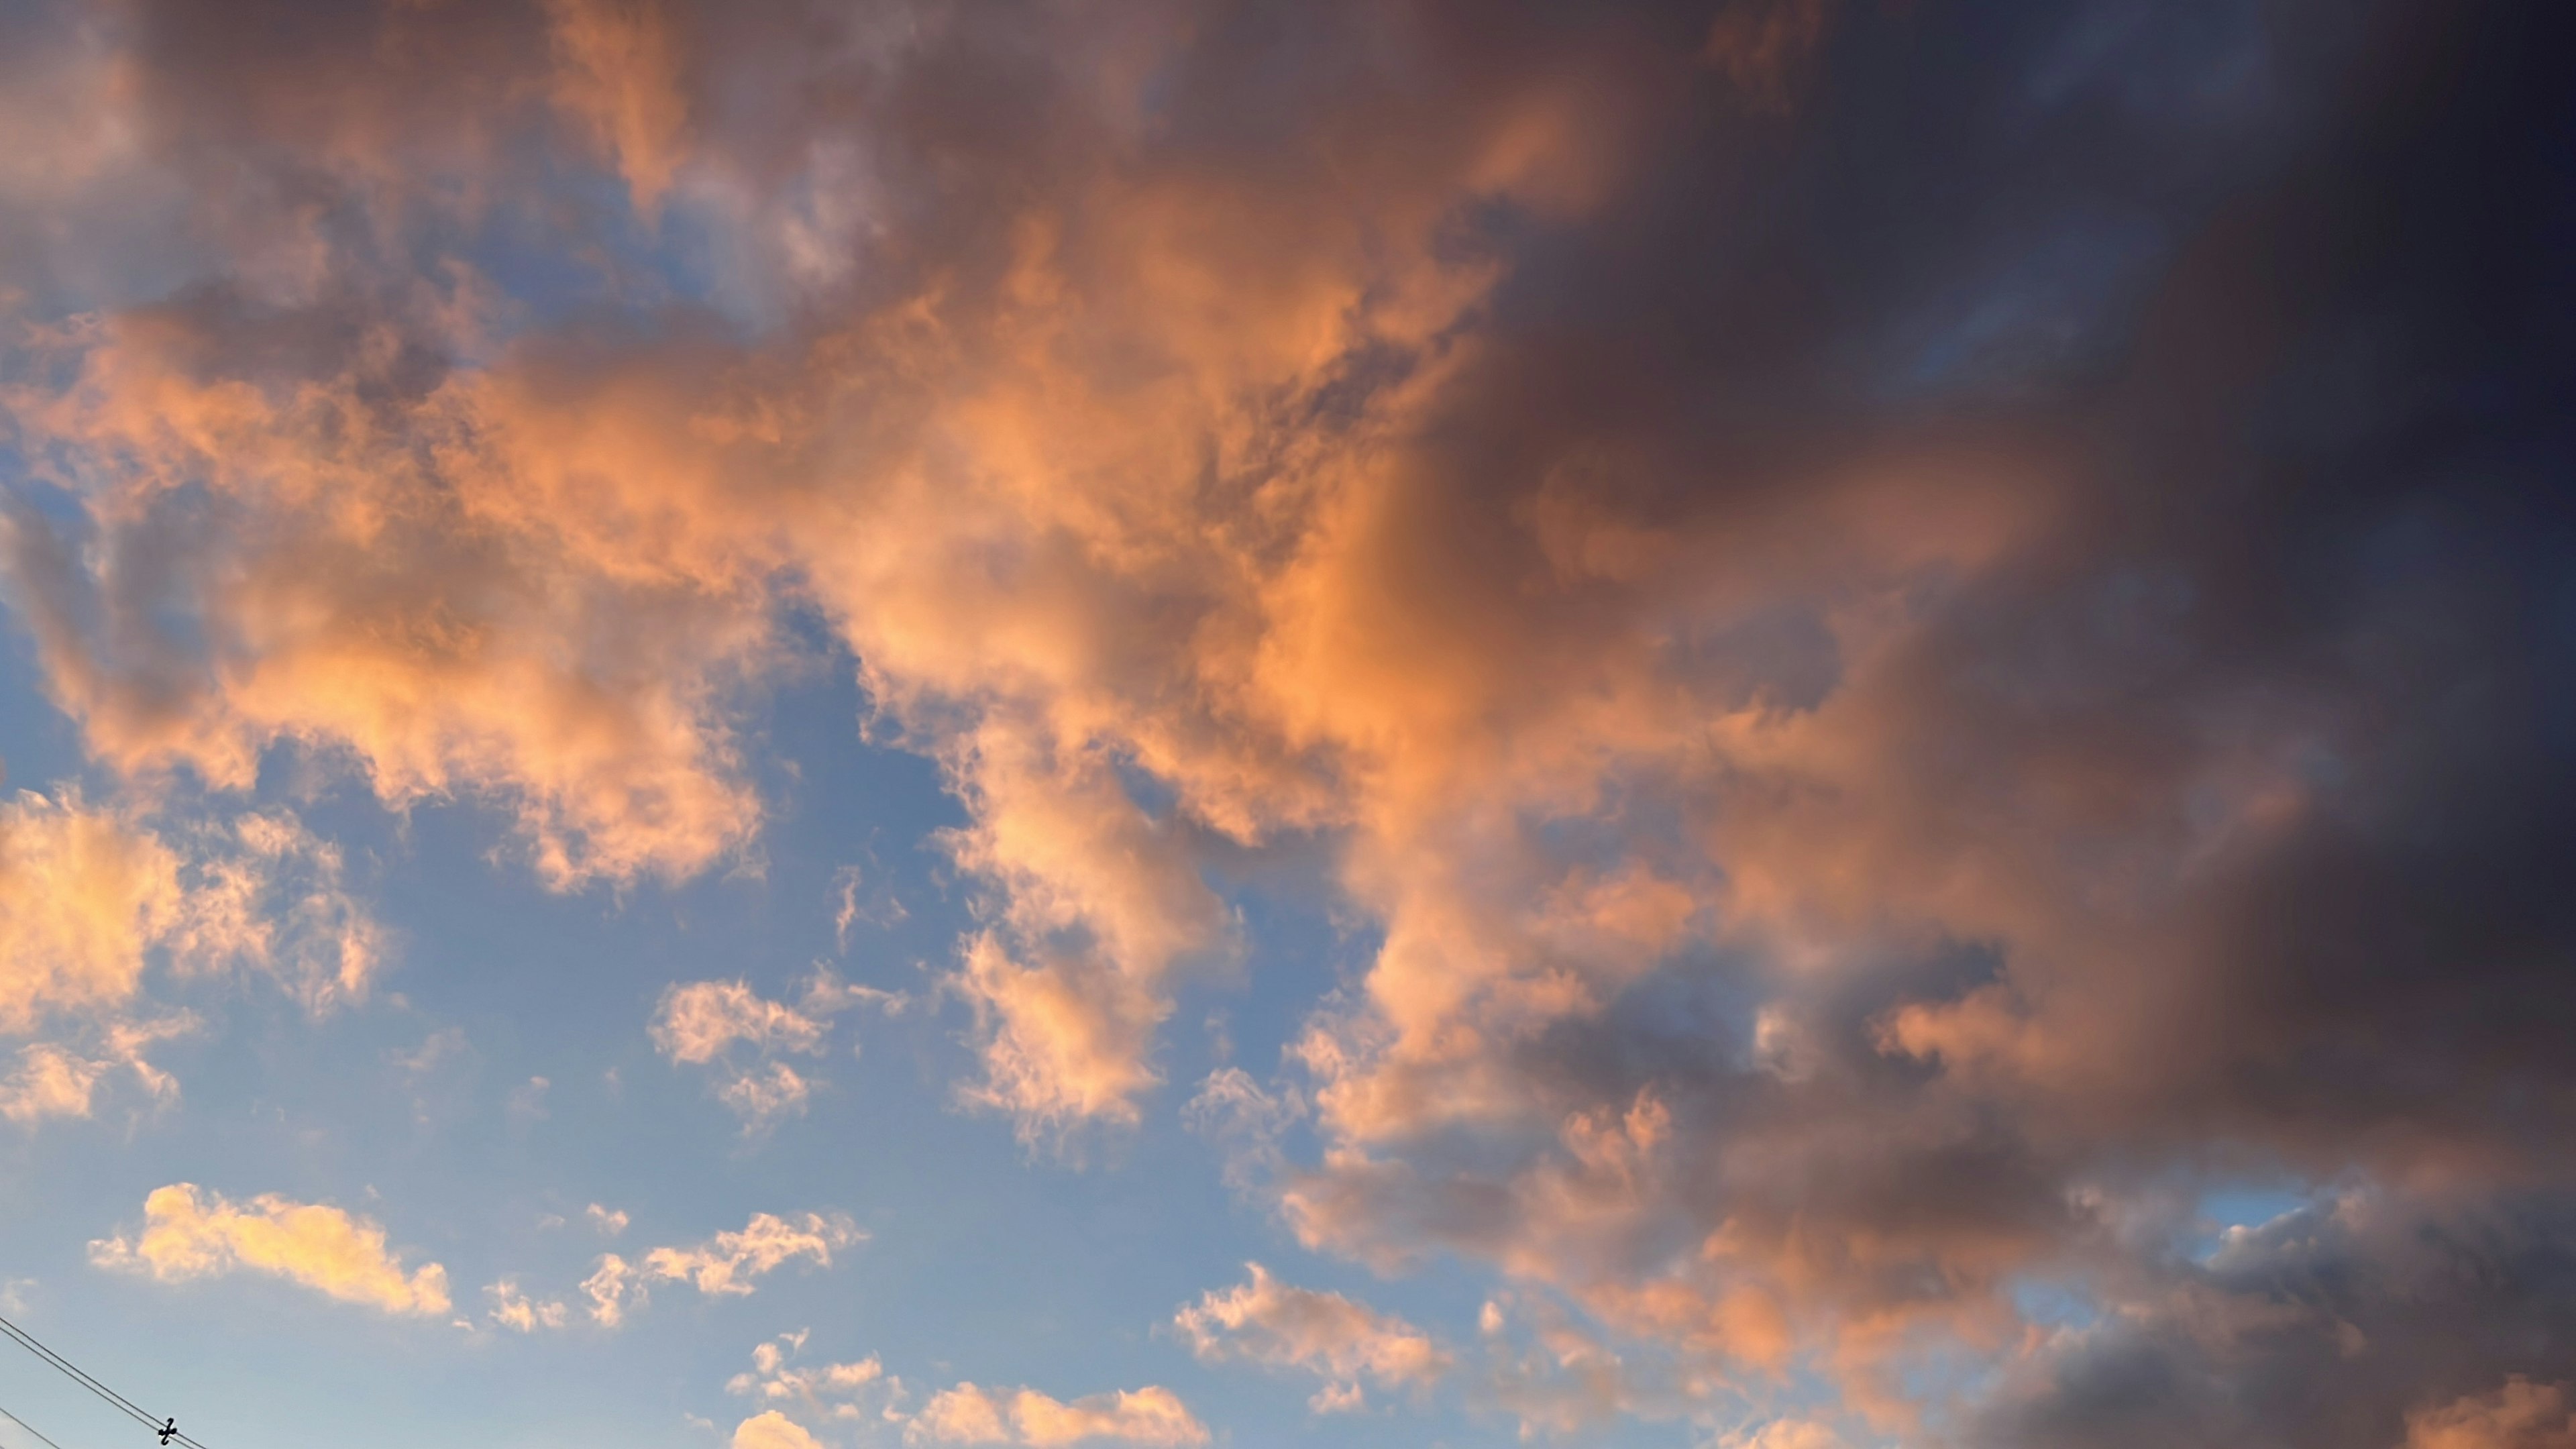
703,1022
1274,1324
967,1414
515,1310
2518,1415
1908,633
723,1264
770,1429
188,1233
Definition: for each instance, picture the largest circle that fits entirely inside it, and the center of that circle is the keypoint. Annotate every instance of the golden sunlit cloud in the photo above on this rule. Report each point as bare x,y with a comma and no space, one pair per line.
967,1414
188,1234
771,1429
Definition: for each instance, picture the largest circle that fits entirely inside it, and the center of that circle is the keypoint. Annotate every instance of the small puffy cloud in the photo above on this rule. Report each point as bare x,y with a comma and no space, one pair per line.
722,1264
1268,1322
702,1023
611,1288
859,1390
515,1310
92,897
609,1222
771,1429
49,1082
2518,1415
84,894
761,1095
698,1021
1154,1417
1065,1041
189,1233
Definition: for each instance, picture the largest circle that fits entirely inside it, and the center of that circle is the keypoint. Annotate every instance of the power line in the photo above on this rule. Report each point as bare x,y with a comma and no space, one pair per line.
30,1428
167,1428
116,1400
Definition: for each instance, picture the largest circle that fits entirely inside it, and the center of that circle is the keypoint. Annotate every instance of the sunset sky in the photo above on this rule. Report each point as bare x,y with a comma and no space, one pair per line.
1731,724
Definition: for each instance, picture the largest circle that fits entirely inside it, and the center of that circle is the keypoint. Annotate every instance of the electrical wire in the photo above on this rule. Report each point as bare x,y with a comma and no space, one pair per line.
118,1401
30,1428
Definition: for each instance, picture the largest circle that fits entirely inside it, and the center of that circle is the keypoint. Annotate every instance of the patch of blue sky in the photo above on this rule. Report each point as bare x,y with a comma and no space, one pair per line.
2228,1207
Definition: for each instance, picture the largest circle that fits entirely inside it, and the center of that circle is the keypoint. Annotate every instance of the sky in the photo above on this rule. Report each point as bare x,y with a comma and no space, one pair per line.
1732,724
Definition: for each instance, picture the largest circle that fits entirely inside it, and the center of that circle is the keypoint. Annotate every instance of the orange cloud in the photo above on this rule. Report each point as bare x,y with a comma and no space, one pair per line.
967,1414
1269,1322
190,1234
49,1082
617,75
2518,1415
83,894
771,1429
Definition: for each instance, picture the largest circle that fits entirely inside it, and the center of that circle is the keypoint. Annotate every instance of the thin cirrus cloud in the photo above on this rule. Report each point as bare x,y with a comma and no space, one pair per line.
189,1233
1863,751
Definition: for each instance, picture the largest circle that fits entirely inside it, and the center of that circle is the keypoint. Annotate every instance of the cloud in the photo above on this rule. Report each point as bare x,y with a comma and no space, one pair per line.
189,1234
967,1414
83,894
92,899
514,1310
2365,1317
722,1264
2518,1415
1065,1040
54,1081
49,1082
1246,1122
612,1287
698,1021
609,1223
1866,749
396,628
617,76
1268,1322
702,1022
771,1429
859,1391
